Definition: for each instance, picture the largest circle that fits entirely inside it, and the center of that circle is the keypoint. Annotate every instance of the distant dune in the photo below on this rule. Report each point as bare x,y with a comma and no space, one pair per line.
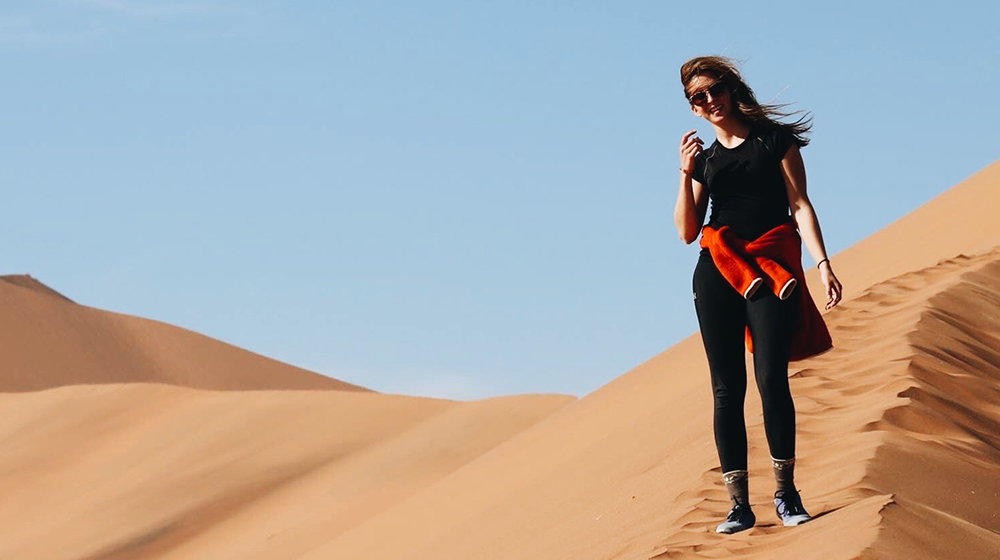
125,453
26,281
47,341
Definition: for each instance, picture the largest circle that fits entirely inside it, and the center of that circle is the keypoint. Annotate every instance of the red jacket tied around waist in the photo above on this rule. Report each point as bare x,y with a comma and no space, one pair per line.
773,260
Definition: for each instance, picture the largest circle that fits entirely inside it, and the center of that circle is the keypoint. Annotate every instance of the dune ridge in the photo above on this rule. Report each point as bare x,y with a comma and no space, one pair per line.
48,341
927,411
31,283
872,454
961,220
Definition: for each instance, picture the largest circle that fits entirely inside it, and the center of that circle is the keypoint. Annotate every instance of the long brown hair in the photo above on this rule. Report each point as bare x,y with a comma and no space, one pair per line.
747,106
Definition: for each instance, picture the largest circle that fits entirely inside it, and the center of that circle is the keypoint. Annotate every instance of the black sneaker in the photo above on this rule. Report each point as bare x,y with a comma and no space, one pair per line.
740,518
788,505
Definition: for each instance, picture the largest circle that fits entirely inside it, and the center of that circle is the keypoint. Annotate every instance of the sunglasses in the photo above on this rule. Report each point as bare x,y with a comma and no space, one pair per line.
700,98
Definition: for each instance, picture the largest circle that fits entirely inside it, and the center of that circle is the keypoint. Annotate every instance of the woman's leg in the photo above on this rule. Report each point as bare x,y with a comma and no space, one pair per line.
722,319
771,323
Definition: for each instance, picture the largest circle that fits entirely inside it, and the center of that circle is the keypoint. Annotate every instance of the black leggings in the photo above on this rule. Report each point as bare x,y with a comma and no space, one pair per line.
723,314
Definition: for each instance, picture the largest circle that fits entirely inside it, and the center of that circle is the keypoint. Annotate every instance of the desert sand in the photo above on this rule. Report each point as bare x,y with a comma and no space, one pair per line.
126,438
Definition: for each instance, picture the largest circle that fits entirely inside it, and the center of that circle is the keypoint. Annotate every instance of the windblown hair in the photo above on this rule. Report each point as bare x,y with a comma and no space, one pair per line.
747,106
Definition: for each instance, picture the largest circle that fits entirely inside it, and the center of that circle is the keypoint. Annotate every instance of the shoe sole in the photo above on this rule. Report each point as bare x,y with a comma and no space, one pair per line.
725,531
795,521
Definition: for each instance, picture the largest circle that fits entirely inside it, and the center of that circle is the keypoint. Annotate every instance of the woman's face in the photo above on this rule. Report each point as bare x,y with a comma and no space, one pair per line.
709,98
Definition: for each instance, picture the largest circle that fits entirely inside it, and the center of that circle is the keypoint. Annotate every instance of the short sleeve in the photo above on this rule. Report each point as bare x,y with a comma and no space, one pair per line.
698,173
780,141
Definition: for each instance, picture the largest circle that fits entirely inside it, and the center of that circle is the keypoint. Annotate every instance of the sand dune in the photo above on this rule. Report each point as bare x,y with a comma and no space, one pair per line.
638,477
49,341
130,456
962,220
27,281
152,471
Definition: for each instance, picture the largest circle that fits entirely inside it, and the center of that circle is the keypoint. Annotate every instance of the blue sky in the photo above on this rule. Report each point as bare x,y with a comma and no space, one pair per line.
453,199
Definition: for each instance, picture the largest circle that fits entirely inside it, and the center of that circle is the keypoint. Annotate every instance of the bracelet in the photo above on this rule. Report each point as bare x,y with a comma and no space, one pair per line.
685,171
821,262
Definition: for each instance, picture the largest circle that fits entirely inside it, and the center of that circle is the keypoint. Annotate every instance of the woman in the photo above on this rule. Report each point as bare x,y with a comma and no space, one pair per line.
748,283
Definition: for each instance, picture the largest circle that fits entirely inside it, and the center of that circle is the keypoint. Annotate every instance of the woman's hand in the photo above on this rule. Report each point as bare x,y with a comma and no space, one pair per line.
690,146
833,288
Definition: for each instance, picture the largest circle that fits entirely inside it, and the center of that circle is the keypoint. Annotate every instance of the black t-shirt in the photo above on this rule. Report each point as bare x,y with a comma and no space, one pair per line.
745,183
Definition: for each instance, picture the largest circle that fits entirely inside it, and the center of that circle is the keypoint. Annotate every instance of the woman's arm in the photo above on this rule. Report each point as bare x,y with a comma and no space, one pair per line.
689,212
794,171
